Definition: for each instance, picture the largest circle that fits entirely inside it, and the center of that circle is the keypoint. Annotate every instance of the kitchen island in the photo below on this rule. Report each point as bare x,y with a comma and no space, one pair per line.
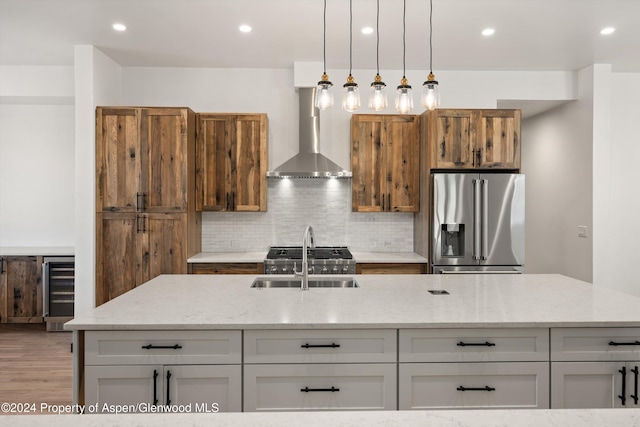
492,341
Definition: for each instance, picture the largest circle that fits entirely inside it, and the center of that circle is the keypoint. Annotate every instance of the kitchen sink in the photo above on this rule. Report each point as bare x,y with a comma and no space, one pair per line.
316,282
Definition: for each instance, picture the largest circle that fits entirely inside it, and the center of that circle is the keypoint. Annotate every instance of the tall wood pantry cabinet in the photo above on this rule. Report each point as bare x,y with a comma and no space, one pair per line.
477,139
146,221
385,163
231,162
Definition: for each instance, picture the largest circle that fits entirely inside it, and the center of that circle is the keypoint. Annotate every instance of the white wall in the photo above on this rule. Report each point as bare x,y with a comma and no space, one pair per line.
624,199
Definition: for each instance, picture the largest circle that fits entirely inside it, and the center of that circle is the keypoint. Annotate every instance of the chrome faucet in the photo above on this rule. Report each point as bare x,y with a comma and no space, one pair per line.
308,240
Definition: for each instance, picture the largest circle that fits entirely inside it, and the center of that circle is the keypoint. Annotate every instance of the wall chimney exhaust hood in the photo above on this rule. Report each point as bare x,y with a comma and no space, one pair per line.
309,162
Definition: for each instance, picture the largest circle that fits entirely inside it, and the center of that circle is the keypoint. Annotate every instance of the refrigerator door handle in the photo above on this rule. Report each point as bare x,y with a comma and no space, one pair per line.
476,220
485,218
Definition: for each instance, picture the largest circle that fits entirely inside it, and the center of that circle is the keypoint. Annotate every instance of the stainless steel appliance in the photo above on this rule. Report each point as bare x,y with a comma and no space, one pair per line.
321,260
58,290
477,223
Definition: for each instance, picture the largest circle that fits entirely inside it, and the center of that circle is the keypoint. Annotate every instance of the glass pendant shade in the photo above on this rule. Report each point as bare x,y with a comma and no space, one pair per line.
430,93
378,95
324,93
351,97
404,98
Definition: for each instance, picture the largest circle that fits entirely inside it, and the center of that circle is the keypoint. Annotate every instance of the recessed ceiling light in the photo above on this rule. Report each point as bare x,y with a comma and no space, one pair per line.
119,27
488,32
607,31
245,28
367,30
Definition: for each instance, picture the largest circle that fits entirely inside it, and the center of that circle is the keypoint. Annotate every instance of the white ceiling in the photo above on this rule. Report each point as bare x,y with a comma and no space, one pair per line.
530,34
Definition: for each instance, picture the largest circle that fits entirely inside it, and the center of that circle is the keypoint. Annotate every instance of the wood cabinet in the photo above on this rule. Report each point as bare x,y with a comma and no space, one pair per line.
391,268
146,223
473,368
385,159
478,139
142,369
595,367
21,289
231,162
316,370
226,268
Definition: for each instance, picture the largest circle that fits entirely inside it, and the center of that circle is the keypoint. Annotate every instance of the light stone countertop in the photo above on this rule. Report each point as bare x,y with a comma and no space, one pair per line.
182,302
37,250
258,256
467,418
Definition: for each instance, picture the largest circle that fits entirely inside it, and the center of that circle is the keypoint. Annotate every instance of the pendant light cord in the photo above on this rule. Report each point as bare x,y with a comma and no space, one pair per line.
324,39
404,42
378,37
430,36
350,35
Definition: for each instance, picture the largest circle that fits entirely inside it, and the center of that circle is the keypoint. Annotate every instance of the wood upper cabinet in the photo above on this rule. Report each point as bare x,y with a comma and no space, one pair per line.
21,289
473,139
385,159
231,162
142,161
146,223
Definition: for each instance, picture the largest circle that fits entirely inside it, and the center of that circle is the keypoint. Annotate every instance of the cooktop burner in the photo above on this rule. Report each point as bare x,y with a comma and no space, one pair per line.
319,252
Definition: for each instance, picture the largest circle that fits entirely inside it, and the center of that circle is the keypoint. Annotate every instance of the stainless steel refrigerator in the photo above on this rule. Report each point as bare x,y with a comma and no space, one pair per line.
477,223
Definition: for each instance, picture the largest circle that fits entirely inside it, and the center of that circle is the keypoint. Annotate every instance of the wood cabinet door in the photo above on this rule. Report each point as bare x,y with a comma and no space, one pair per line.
164,245
451,134
118,260
403,163
249,149
163,140
118,157
498,139
214,159
368,163
21,288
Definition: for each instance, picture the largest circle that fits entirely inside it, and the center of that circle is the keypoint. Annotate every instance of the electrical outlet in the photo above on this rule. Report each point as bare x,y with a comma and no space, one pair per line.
582,231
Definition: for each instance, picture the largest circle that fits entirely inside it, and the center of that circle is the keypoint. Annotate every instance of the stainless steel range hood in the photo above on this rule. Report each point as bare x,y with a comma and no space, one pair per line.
309,162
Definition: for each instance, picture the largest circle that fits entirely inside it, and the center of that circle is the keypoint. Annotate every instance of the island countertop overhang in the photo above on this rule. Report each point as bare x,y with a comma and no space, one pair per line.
226,302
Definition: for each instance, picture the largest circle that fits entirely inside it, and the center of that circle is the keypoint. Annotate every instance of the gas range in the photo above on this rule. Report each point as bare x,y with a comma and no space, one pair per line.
321,260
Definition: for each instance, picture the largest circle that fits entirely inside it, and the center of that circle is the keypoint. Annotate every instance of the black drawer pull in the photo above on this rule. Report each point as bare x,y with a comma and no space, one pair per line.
483,344
623,396
155,387
168,392
485,388
615,344
151,346
635,387
332,345
308,390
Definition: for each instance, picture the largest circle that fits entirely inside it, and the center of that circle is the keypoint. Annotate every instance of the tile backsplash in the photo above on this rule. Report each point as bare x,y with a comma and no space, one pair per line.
292,204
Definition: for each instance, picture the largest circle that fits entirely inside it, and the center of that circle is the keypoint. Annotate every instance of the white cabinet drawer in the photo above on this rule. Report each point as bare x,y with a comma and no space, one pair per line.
595,344
319,386
473,385
473,345
320,346
162,347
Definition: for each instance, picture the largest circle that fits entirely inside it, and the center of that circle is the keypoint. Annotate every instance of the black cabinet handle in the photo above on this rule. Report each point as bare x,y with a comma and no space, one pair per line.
383,203
168,383
144,201
2,266
623,396
485,388
332,345
155,387
137,203
309,390
616,344
151,346
389,202
634,396
481,344
233,200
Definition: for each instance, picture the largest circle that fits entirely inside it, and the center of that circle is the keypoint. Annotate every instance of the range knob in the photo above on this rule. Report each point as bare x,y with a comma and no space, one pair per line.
310,270
345,269
274,270
284,269
334,270
324,270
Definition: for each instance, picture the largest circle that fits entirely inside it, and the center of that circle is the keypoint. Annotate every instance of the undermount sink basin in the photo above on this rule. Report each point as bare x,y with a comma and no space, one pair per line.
316,282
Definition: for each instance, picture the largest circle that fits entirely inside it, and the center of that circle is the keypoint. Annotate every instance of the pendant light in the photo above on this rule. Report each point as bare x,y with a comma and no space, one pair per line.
377,94
404,98
430,91
324,93
351,98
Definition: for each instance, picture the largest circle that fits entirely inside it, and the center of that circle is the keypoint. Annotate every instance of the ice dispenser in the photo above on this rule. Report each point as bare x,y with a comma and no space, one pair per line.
452,240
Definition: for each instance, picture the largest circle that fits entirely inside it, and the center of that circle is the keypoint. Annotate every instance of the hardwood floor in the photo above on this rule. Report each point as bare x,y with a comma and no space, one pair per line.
35,365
